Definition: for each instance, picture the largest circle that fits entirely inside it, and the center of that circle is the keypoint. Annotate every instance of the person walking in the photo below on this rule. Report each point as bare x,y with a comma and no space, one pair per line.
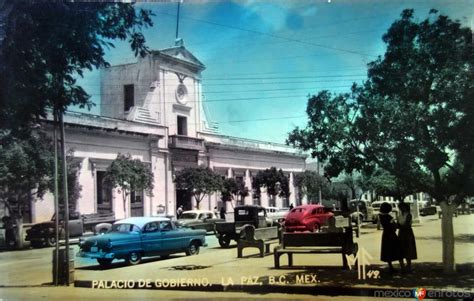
179,211
406,236
390,250
222,213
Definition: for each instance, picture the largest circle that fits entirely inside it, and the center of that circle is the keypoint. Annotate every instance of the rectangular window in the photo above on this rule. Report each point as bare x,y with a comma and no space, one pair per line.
182,126
104,193
128,97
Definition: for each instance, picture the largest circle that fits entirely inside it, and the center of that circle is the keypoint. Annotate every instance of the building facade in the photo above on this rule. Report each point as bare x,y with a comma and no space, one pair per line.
153,110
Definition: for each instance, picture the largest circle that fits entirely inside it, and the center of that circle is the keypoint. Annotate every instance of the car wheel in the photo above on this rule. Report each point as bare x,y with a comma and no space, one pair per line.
193,249
224,241
51,241
316,228
134,258
104,262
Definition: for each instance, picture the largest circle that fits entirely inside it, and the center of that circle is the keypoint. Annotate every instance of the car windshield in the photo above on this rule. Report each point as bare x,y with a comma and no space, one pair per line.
124,228
353,205
188,215
298,210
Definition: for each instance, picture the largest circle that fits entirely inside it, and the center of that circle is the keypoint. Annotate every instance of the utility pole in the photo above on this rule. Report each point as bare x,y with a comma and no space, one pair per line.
56,199
65,196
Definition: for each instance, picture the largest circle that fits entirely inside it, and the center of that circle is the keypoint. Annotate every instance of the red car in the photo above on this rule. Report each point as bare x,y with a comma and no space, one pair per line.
307,218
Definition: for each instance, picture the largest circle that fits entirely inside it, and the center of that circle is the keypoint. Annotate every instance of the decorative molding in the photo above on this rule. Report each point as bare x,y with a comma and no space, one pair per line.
181,108
181,77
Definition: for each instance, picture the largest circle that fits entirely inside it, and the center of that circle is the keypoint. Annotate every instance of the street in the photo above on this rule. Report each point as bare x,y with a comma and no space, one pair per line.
221,268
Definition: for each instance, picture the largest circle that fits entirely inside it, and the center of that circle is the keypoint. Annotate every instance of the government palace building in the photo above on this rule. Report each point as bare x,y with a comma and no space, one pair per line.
154,112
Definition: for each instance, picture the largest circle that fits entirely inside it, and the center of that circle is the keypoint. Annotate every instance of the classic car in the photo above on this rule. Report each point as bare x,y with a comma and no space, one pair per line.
137,237
44,234
243,215
276,215
308,217
365,212
198,219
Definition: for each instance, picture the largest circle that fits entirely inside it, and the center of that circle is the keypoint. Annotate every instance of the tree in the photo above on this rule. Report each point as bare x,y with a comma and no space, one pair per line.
413,117
384,183
274,181
130,175
25,169
199,181
232,189
26,172
47,45
311,184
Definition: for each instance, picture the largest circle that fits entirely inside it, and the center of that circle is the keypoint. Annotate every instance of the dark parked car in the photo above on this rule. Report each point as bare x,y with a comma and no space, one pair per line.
307,218
44,234
243,215
137,237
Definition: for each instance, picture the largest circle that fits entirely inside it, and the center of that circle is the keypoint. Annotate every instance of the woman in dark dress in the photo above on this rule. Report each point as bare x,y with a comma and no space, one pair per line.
406,236
390,250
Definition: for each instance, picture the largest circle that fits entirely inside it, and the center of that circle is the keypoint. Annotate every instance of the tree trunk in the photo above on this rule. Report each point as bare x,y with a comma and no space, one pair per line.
19,233
447,236
124,197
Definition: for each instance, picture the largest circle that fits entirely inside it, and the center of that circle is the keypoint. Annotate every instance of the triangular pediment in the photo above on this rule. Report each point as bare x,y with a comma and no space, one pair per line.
182,54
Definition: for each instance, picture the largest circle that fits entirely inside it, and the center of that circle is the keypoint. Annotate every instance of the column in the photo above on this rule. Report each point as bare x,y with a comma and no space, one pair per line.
292,198
264,197
248,183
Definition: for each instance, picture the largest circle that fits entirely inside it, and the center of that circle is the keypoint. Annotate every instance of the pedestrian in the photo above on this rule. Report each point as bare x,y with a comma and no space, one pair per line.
390,250
406,236
216,211
10,238
291,206
179,211
222,213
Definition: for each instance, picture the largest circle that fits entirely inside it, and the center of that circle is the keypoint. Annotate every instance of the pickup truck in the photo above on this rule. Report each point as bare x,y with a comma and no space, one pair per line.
44,234
243,215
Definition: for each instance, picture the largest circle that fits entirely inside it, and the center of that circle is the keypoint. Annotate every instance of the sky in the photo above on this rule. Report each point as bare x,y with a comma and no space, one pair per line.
264,58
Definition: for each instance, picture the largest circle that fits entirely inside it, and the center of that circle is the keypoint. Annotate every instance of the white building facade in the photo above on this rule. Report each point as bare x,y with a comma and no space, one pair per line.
153,110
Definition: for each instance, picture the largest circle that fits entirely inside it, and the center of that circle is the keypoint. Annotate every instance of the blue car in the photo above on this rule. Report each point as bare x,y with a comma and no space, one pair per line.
134,238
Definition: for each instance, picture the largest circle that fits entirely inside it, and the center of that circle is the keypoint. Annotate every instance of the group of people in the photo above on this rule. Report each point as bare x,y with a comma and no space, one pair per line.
399,246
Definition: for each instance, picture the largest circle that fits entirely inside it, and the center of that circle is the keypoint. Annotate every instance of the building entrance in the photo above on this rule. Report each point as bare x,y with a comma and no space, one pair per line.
183,198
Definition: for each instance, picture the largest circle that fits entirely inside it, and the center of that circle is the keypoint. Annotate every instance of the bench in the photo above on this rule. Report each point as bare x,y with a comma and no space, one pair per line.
257,238
316,243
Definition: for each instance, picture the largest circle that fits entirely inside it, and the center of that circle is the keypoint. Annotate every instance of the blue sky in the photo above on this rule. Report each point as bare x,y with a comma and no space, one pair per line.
263,58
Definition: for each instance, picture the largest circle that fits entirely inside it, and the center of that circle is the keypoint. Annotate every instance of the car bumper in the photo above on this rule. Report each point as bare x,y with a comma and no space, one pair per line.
297,228
95,255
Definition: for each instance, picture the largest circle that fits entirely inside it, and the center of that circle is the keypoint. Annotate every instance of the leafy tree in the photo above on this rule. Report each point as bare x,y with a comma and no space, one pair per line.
274,181
413,117
47,45
200,181
232,189
384,183
309,183
25,168
26,172
130,175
